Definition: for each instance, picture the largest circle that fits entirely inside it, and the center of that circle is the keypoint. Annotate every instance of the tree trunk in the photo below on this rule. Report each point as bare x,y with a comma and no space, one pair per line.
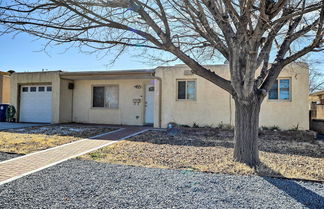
246,132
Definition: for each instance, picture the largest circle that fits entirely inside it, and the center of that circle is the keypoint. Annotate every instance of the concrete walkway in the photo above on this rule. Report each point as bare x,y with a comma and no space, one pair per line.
21,166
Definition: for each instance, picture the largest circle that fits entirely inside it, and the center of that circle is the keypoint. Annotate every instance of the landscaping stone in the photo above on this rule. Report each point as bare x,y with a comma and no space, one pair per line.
211,150
173,129
7,156
88,184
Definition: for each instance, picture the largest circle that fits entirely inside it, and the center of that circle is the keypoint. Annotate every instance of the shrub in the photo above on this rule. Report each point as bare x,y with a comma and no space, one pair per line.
195,125
225,126
275,128
294,128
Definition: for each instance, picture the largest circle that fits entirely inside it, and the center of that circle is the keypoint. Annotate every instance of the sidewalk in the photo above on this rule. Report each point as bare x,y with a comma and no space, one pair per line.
21,166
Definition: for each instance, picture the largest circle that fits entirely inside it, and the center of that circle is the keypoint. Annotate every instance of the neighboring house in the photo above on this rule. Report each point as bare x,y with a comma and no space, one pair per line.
159,96
317,105
4,88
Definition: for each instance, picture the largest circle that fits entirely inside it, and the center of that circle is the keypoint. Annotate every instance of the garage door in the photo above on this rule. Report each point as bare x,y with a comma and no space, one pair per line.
36,104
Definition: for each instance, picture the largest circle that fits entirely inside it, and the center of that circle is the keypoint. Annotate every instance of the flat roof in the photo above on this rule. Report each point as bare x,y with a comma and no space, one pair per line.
45,71
111,72
114,74
317,93
3,73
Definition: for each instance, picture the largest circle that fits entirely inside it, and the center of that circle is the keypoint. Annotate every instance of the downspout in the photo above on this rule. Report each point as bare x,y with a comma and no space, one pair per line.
230,108
160,97
72,103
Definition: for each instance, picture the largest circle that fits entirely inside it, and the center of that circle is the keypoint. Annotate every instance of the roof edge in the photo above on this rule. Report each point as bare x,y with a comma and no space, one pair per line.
113,72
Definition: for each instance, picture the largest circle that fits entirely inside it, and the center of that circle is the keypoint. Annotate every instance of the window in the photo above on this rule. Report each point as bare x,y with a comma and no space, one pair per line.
25,89
41,88
280,90
186,90
106,96
33,89
98,97
49,88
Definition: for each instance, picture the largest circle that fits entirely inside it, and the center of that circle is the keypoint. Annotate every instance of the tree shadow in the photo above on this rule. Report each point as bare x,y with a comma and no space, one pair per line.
295,190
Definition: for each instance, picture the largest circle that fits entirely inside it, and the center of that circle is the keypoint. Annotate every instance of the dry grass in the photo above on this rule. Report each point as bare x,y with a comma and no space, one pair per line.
211,151
27,140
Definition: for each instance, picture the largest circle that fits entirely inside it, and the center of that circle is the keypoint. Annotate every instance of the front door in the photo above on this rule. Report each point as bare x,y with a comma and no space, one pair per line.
149,104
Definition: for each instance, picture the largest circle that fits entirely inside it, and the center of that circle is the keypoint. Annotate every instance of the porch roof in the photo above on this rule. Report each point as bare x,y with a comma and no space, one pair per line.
104,75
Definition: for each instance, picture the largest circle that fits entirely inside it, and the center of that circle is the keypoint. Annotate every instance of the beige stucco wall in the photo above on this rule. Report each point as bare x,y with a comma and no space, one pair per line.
317,109
289,114
211,107
66,101
320,111
53,78
317,97
4,88
1,89
128,113
214,105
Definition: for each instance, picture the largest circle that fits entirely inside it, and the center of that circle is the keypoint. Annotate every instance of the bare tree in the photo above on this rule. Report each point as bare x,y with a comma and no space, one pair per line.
316,74
247,33
316,79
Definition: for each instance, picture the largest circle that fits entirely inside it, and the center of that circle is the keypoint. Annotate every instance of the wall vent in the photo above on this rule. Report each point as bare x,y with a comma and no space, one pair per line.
188,72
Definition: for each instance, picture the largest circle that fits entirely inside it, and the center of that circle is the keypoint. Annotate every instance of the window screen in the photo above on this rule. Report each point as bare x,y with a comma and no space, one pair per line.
181,90
273,93
284,89
98,97
111,97
191,89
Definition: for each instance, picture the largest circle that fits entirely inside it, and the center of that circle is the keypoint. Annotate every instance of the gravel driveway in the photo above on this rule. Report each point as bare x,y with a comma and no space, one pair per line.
87,184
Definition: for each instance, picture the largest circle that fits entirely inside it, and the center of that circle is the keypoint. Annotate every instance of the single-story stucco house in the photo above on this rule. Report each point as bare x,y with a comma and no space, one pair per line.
158,96
4,88
317,104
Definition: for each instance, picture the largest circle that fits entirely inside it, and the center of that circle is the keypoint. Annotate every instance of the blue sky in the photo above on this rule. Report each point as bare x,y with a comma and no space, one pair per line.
22,54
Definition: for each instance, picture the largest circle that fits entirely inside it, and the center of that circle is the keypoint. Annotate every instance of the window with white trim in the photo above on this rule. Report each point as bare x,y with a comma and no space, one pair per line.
280,90
186,89
105,96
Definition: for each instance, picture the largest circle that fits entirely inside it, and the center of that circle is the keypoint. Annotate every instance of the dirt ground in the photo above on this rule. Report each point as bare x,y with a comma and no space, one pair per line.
27,140
289,154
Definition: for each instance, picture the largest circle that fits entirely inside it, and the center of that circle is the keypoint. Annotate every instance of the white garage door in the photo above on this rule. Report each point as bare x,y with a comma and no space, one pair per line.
36,104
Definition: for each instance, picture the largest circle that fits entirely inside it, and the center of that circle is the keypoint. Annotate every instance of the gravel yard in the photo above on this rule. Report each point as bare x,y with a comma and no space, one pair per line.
27,140
88,184
290,154
6,156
